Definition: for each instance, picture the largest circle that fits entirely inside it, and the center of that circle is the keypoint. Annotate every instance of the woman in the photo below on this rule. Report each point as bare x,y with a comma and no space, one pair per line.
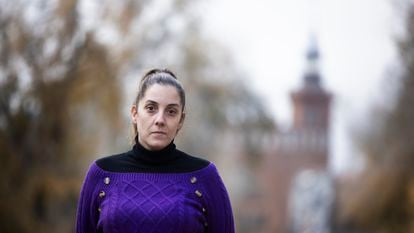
154,187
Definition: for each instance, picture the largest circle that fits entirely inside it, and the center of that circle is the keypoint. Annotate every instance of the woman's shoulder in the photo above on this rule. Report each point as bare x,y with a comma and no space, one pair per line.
114,162
188,163
199,166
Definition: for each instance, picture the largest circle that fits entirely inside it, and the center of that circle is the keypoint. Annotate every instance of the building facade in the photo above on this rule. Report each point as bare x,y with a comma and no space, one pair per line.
296,158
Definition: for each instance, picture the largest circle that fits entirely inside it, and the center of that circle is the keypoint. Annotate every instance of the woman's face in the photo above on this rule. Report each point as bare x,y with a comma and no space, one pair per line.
158,116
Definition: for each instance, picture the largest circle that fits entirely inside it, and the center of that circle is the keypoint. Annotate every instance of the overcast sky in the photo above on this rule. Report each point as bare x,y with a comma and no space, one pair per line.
268,39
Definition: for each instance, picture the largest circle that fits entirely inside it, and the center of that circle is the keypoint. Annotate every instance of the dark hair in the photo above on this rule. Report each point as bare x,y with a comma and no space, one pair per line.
162,77
158,76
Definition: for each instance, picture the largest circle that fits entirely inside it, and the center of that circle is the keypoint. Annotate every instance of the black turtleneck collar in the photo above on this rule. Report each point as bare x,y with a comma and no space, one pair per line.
163,156
139,159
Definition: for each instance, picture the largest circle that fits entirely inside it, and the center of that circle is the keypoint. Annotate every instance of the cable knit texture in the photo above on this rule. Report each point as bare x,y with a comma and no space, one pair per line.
138,202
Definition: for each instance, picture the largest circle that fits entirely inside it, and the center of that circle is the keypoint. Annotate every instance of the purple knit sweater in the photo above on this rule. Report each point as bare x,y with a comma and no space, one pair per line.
135,202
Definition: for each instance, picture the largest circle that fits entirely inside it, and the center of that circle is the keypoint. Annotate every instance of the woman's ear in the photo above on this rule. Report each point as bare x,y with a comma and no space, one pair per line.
134,113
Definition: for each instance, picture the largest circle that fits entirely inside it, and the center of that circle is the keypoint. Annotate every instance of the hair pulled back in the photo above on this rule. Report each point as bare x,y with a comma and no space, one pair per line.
162,77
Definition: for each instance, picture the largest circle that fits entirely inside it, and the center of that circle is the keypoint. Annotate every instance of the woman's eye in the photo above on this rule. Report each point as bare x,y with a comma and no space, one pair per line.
172,112
150,108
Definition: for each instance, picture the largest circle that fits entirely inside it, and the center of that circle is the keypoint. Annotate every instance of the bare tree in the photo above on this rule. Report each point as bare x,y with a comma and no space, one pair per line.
381,199
63,73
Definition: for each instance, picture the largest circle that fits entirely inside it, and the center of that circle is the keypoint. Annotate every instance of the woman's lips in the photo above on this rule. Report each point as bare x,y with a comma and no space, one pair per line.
159,132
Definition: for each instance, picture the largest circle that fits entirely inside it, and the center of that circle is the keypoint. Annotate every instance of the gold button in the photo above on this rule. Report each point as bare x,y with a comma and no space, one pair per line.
99,209
101,194
205,224
198,193
107,180
193,179
203,209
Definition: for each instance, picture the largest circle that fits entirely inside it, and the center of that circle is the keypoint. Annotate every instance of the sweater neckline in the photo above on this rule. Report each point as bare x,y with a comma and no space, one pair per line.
156,176
159,157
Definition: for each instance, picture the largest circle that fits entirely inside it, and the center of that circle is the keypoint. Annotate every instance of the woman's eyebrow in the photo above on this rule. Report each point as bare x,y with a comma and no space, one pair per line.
151,102
173,105
156,103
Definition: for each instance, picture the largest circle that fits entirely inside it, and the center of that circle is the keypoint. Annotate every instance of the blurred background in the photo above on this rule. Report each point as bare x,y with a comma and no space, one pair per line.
306,107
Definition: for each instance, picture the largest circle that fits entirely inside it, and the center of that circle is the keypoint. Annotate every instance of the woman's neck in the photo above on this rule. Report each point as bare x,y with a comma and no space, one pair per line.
162,156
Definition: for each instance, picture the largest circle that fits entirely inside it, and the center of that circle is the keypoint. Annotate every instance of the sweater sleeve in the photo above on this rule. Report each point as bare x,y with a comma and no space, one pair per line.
87,213
219,211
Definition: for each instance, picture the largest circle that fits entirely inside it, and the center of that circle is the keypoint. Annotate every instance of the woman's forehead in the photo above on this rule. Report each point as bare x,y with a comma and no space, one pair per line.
162,94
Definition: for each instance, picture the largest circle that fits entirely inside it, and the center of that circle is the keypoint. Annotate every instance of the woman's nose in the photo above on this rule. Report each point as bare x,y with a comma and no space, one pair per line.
160,119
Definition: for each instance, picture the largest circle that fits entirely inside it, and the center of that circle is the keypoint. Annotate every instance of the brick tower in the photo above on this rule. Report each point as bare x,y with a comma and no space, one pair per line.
304,146
311,107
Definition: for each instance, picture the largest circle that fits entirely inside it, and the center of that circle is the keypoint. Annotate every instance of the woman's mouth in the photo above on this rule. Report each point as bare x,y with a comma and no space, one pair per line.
159,132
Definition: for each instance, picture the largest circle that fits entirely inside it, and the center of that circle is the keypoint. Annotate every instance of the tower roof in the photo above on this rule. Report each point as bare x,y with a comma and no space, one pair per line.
313,51
312,87
312,75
